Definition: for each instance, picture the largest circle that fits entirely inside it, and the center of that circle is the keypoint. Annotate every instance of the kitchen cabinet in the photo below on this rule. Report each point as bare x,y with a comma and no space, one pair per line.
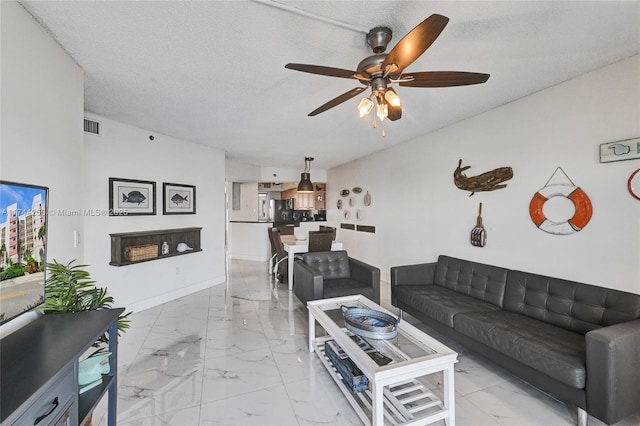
304,201
308,201
289,193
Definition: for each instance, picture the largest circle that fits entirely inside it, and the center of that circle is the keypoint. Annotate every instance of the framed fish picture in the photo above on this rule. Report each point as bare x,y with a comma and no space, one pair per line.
178,199
129,197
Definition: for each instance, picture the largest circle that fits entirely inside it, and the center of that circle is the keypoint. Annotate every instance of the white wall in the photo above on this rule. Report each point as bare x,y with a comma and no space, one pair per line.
239,172
419,213
124,151
41,128
248,202
249,241
275,174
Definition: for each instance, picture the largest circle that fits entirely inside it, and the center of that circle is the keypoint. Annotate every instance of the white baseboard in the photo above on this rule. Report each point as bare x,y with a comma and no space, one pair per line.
176,294
249,257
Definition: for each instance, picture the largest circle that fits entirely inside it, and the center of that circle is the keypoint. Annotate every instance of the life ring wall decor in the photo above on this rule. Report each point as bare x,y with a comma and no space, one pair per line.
634,184
580,219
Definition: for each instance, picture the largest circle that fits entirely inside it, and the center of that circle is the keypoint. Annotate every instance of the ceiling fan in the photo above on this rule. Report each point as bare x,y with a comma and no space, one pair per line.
382,69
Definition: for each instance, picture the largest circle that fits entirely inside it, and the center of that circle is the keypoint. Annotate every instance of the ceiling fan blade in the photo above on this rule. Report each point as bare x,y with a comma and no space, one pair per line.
443,78
413,44
318,69
337,101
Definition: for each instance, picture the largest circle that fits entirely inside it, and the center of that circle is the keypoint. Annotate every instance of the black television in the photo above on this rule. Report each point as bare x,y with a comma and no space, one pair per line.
23,247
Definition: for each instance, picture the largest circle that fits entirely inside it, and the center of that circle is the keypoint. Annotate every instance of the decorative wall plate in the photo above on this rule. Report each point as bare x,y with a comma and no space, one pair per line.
339,204
359,214
344,192
351,202
346,214
356,190
634,184
367,199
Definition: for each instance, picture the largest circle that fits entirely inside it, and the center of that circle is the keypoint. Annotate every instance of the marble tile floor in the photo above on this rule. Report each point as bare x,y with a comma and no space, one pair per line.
236,354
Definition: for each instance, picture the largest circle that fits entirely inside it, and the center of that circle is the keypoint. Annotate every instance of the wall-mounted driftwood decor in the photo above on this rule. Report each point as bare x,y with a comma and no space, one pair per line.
487,181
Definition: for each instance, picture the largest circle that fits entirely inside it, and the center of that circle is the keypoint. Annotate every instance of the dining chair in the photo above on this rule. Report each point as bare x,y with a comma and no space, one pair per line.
320,241
285,229
274,252
328,228
281,260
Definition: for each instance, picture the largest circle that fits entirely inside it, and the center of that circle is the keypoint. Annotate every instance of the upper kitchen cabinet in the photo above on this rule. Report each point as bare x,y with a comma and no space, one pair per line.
289,193
305,201
308,201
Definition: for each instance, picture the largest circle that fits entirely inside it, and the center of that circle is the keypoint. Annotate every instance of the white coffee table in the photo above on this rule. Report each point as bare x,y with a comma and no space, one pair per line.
396,394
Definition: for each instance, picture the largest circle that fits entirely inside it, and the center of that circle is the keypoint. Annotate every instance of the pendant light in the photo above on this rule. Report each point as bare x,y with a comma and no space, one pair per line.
305,184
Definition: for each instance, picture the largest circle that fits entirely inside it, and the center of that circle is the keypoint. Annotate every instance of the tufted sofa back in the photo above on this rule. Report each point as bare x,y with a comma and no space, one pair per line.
573,306
484,282
331,264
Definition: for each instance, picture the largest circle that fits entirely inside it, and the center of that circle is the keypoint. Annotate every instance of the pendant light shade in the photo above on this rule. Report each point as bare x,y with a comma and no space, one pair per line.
305,184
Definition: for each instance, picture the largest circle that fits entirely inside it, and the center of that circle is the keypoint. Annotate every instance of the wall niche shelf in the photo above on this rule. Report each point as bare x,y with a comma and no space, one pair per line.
121,244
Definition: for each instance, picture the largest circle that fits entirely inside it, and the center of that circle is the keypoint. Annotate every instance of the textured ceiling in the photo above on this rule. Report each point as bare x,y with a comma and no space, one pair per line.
212,72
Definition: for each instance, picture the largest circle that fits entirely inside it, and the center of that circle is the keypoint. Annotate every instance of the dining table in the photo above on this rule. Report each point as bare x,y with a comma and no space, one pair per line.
293,246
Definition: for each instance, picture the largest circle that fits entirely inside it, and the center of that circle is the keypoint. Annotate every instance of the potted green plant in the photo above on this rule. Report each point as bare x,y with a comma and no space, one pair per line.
69,288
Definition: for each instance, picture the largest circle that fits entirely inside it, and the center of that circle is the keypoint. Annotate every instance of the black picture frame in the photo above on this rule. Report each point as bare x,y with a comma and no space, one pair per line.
131,197
178,198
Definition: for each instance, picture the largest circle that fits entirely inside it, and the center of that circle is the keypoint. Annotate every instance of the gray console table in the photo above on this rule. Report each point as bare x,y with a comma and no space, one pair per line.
39,369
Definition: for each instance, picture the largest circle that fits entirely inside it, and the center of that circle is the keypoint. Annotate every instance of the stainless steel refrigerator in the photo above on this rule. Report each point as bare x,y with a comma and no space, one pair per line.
278,210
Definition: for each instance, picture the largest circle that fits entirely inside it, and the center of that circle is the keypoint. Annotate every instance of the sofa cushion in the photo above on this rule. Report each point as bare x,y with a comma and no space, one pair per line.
552,350
331,264
484,282
440,303
346,287
571,305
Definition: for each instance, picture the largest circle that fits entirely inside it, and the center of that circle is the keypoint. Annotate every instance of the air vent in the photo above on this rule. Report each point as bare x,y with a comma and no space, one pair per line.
92,127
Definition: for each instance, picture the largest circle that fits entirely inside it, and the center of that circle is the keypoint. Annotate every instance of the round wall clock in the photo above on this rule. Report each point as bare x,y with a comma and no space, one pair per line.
634,184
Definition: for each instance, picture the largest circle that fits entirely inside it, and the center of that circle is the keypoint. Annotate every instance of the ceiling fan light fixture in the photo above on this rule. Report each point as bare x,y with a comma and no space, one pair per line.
392,97
382,111
365,106
305,185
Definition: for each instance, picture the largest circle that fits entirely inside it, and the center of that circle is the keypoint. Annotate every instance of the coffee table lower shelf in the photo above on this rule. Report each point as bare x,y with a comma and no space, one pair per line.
408,402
